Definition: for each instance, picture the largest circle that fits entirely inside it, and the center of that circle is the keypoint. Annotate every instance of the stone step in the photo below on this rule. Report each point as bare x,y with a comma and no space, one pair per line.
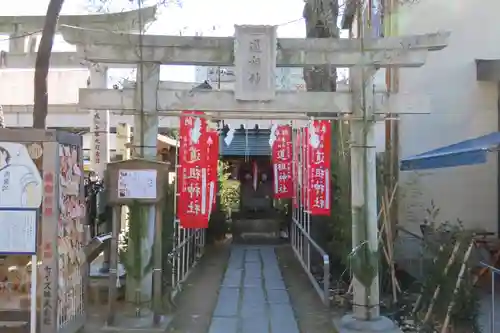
256,230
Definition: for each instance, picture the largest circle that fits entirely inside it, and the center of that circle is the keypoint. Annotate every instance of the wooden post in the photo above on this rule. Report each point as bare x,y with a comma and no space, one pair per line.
123,136
113,272
157,290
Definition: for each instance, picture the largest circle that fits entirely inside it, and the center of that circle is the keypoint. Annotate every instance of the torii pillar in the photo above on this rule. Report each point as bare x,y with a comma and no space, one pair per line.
144,145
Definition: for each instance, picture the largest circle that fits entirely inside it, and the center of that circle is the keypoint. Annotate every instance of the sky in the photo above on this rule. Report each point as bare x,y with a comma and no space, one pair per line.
206,17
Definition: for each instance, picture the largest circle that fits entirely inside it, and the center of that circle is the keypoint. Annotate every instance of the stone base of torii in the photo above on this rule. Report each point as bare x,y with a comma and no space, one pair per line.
351,324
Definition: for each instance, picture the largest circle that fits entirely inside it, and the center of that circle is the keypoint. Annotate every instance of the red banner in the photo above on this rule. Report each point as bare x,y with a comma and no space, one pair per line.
213,160
304,165
295,170
282,155
319,146
184,130
193,205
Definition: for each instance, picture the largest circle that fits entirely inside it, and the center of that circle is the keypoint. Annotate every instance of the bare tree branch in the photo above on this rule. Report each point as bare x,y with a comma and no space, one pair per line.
105,6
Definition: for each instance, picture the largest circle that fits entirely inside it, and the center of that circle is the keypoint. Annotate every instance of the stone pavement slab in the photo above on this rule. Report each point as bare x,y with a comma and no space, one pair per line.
253,297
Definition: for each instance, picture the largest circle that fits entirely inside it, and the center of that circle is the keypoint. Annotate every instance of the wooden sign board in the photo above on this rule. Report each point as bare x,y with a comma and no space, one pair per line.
136,180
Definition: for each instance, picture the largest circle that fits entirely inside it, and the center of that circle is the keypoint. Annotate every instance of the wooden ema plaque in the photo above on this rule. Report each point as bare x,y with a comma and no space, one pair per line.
136,180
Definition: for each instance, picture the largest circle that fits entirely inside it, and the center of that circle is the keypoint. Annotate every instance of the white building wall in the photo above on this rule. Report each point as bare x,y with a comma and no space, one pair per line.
460,108
16,88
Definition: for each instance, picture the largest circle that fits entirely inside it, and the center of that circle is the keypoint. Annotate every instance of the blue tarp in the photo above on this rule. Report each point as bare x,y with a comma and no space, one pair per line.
468,152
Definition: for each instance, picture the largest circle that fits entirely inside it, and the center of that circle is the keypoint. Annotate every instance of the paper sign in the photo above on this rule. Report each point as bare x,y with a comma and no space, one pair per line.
137,184
18,234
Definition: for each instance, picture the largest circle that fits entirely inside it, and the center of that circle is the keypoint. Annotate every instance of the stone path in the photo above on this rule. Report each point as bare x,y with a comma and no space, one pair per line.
253,297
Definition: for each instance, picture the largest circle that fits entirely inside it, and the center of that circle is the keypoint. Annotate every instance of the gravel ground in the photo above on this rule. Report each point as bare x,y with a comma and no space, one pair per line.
310,312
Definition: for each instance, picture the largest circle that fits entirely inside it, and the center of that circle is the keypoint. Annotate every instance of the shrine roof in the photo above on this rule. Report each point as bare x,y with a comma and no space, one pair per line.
256,143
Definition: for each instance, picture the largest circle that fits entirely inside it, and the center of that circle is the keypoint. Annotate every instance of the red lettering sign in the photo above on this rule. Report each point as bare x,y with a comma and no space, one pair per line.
194,203
319,146
213,160
47,250
48,177
282,162
304,165
295,170
48,194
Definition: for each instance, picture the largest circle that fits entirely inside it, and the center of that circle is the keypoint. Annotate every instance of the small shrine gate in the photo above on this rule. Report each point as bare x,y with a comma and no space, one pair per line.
257,53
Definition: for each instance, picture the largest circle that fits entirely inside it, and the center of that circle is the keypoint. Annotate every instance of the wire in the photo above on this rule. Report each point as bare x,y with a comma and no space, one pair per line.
39,31
290,22
21,36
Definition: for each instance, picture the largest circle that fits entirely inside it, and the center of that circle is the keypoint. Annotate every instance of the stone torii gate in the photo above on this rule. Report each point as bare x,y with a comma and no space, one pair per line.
256,54
24,31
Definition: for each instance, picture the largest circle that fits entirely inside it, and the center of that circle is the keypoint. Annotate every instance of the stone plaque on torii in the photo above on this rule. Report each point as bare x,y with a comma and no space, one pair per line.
255,95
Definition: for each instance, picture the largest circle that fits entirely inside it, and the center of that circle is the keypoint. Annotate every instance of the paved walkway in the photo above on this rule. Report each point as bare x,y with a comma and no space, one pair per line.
253,297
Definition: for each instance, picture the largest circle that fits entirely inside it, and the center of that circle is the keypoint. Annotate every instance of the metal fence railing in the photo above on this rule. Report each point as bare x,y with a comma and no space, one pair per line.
189,245
491,324
302,244
308,252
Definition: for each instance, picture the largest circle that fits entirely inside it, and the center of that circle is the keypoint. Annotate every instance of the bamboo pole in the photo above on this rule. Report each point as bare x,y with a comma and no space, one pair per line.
391,200
386,255
419,299
438,289
387,228
390,247
457,287
381,231
387,249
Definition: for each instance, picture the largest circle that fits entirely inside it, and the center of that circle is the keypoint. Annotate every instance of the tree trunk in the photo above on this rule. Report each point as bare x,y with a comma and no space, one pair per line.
321,22
42,64
2,118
